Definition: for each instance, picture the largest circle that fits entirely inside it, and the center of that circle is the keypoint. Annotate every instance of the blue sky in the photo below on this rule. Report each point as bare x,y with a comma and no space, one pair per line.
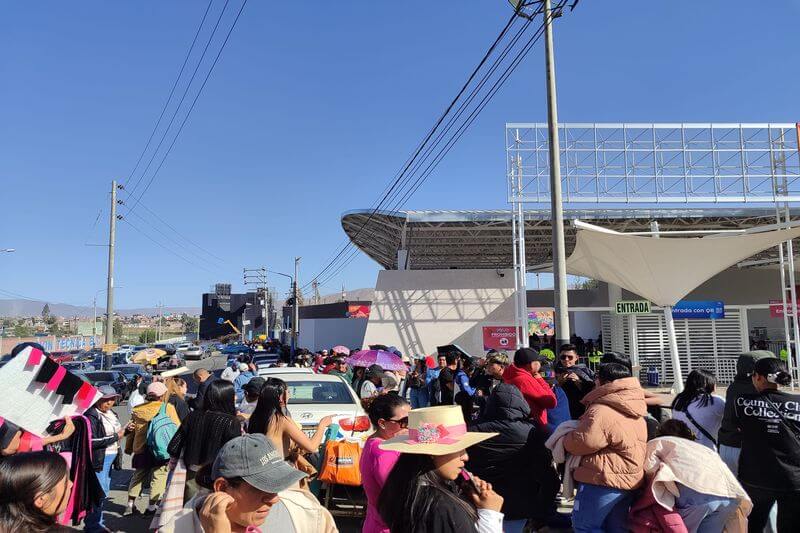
312,109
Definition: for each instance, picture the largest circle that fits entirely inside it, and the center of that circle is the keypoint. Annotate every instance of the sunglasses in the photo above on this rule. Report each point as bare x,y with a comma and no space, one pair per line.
403,422
566,356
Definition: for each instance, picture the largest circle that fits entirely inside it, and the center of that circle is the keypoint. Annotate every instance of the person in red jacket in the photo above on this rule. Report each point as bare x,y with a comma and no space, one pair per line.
524,374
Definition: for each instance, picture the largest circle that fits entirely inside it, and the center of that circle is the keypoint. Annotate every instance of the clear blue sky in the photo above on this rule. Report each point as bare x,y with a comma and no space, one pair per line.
312,109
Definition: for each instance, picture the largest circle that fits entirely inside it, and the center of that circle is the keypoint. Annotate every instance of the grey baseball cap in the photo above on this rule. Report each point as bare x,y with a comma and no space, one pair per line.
253,458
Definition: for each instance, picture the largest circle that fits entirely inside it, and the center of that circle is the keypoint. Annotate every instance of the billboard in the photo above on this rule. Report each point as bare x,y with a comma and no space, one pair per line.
358,311
541,322
499,338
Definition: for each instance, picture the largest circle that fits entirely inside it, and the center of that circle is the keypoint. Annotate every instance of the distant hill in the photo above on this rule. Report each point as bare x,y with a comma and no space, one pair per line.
20,308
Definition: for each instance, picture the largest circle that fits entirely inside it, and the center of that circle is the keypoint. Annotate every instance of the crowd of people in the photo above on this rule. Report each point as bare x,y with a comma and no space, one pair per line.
491,444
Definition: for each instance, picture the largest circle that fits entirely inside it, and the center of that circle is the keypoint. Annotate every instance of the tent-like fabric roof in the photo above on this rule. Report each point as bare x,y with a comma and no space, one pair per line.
665,269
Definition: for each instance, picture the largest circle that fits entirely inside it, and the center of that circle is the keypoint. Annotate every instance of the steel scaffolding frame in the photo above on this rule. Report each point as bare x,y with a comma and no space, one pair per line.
649,163
658,163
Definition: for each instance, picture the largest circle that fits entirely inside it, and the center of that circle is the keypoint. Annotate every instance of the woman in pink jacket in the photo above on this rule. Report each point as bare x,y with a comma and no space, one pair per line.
611,439
389,415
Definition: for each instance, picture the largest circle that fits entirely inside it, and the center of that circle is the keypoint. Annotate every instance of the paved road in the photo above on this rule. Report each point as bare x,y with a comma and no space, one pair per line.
119,479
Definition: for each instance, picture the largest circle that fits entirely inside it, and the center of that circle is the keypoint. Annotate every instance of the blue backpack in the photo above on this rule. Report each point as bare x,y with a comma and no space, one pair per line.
160,432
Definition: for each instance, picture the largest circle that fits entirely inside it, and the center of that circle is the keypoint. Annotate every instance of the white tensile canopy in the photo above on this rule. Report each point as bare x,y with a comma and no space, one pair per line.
664,270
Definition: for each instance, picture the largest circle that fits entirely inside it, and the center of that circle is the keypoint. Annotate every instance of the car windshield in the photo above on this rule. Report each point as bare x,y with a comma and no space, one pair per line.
307,392
94,377
127,369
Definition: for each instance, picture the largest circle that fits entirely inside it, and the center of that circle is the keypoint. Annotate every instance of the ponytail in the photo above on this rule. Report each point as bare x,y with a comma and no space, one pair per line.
773,370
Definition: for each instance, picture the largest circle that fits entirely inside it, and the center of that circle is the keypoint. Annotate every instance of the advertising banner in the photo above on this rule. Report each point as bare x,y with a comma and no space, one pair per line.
499,338
541,322
358,311
699,309
776,308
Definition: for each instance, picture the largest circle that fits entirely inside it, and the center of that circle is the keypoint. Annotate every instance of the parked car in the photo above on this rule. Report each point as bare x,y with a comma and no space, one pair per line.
167,347
123,354
182,347
314,396
130,371
60,357
264,359
196,352
79,366
237,349
139,348
109,377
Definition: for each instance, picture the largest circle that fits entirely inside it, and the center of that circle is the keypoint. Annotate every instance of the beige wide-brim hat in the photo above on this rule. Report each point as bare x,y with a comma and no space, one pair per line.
435,431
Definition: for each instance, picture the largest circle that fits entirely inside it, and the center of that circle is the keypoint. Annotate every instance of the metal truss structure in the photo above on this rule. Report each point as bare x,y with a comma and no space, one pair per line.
482,239
657,163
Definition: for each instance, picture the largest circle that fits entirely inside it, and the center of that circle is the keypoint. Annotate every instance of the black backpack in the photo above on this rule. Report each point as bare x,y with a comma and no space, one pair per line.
435,392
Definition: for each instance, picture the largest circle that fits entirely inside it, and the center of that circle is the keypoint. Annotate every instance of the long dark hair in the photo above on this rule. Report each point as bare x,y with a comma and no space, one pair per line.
700,383
268,406
220,397
22,478
413,490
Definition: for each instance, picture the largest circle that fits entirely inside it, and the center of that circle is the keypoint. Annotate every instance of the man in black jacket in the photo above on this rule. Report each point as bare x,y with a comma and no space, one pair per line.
575,379
516,462
203,378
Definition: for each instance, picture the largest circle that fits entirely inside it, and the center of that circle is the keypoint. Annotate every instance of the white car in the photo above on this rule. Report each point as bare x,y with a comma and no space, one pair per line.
314,396
194,352
182,347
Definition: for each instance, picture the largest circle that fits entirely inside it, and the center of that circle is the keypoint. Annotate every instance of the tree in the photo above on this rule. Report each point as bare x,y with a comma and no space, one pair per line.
46,311
117,329
189,323
148,335
21,330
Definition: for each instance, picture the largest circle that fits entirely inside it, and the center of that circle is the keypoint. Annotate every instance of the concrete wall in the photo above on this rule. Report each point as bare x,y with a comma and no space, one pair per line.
418,310
325,333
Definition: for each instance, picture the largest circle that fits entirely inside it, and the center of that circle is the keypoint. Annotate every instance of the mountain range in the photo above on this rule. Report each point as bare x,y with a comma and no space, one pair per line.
21,308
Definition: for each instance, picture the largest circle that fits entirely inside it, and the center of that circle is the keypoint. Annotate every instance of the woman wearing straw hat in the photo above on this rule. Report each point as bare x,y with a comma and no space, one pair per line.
428,490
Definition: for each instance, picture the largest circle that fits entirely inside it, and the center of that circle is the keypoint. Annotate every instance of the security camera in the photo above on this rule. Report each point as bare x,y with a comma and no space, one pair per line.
500,273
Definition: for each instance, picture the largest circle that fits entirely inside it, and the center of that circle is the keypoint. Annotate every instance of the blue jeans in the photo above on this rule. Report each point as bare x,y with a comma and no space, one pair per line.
703,513
419,398
601,509
94,518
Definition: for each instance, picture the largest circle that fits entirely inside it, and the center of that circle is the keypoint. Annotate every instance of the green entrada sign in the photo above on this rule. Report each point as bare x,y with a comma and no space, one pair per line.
635,307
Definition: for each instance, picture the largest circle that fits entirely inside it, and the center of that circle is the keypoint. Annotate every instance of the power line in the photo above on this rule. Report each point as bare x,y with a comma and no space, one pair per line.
191,108
183,97
170,250
184,237
171,93
172,239
459,132
425,140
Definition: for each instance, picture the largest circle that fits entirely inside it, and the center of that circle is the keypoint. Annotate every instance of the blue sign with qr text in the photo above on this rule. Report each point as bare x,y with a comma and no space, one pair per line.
698,309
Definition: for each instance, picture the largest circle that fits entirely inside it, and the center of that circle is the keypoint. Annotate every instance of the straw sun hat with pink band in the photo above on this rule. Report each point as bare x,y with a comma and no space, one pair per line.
435,431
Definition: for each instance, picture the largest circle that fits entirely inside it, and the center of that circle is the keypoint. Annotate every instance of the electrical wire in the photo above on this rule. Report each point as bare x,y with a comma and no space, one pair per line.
171,93
168,249
187,239
191,108
399,176
457,135
183,97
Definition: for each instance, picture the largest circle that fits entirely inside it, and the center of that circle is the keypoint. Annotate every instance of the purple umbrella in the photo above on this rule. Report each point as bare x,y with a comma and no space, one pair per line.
386,360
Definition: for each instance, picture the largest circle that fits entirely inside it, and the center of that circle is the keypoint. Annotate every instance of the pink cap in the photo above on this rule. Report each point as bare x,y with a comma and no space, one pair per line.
156,388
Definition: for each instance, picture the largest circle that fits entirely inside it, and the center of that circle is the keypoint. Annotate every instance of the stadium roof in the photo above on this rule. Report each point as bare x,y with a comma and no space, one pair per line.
482,239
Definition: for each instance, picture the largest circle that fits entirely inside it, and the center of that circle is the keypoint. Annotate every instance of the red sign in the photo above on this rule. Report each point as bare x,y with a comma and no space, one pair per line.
776,308
357,311
499,338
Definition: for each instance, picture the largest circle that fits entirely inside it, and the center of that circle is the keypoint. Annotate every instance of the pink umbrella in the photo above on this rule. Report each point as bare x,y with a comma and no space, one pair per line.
341,350
386,360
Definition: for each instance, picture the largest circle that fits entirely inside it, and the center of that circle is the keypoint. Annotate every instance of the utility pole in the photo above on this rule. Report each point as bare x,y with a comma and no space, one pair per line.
295,308
160,319
556,209
112,236
258,277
